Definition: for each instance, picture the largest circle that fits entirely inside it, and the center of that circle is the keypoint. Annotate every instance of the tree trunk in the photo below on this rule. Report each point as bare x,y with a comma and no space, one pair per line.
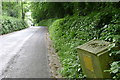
23,14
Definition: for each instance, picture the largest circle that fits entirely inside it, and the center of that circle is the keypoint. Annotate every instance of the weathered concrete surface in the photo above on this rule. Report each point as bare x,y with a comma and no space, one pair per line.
23,54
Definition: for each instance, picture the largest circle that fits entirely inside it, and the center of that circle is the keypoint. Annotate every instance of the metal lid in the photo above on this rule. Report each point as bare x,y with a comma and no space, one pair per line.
95,46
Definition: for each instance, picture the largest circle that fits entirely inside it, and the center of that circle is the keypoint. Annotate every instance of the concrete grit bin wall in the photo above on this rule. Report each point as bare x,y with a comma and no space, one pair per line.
94,58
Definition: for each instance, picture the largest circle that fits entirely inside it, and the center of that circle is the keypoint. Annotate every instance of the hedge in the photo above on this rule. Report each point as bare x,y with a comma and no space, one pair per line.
10,24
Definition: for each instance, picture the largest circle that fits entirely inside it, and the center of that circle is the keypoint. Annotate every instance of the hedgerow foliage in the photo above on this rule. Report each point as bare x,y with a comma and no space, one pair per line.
46,22
10,24
67,34
70,32
78,23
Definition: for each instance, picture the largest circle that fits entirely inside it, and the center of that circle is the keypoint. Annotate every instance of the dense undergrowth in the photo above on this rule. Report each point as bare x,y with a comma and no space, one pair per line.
46,22
10,24
69,32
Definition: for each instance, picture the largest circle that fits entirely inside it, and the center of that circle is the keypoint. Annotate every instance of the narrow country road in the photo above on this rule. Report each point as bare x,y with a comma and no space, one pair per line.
23,54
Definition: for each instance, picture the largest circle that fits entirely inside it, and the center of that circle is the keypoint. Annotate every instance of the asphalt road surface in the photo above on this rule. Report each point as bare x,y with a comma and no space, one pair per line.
23,54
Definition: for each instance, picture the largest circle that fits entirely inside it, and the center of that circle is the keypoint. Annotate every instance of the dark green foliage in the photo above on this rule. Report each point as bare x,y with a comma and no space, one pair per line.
45,10
82,22
115,69
12,13
46,22
14,9
111,32
10,24
67,34
70,32
11,9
